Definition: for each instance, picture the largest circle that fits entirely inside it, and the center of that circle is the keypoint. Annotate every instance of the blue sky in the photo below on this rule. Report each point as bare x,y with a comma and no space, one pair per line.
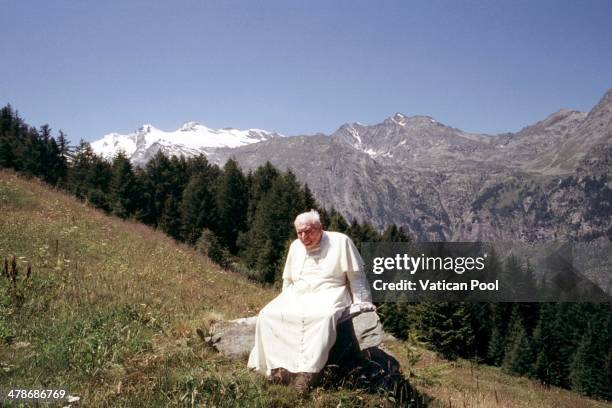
300,67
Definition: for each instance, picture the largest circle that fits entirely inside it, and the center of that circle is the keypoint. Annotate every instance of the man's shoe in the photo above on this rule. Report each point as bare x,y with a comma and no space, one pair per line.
280,376
302,383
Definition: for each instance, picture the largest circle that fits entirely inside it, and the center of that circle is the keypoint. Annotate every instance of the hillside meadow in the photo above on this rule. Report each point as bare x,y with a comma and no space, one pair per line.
111,308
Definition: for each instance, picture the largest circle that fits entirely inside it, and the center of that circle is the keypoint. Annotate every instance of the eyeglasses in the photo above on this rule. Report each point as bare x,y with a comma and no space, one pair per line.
306,231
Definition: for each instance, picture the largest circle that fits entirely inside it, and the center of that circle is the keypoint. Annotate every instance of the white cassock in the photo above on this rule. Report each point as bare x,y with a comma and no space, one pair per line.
297,329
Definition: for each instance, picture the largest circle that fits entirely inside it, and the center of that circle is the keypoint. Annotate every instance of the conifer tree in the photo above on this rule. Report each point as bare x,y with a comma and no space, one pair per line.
518,357
170,220
259,185
394,234
198,209
31,157
396,318
500,314
262,245
569,326
546,344
46,155
588,371
446,327
360,233
208,244
308,199
232,203
63,153
6,153
79,174
158,181
124,192
335,221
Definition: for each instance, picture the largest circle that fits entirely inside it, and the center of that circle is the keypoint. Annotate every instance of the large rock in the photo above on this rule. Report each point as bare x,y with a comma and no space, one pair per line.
235,338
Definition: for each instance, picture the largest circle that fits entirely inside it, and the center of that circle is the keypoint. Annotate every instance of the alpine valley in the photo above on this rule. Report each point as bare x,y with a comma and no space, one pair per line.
546,182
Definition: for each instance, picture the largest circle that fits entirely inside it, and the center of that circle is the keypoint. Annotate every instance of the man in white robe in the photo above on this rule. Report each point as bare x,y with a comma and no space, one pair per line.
322,278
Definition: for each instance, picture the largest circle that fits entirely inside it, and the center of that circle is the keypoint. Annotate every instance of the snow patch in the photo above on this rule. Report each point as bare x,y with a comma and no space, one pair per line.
191,135
399,119
355,134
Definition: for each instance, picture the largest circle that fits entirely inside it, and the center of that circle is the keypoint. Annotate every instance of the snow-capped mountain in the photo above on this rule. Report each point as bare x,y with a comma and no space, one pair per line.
190,139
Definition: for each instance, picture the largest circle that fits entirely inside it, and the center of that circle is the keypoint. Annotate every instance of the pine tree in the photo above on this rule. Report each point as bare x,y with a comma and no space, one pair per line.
124,194
569,325
446,327
588,371
335,222
31,159
98,183
394,234
360,233
232,203
78,175
261,247
63,154
6,153
47,156
518,357
482,325
546,345
208,244
198,209
54,163
500,315
170,220
260,183
397,318
158,181
308,199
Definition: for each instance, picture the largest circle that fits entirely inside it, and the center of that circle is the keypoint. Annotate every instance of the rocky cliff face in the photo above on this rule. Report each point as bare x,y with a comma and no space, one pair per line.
548,181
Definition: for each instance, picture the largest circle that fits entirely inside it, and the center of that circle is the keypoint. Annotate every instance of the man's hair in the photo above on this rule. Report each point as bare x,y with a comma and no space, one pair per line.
309,217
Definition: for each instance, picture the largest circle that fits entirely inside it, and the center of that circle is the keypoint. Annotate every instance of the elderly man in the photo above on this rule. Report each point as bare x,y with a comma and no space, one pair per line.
323,278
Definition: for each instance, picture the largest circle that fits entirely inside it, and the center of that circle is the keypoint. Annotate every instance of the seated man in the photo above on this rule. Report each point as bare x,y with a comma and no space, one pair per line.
323,276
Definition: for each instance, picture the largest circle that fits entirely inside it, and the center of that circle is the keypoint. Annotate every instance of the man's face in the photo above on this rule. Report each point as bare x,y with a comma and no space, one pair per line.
309,234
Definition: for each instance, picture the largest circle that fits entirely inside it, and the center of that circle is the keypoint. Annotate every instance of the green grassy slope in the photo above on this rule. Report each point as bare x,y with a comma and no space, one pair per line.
110,311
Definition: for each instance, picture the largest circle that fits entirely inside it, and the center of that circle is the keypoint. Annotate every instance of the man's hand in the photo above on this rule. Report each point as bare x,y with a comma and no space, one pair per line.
367,307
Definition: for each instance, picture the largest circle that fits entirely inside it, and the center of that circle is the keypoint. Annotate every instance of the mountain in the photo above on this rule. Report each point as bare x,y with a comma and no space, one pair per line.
548,181
190,139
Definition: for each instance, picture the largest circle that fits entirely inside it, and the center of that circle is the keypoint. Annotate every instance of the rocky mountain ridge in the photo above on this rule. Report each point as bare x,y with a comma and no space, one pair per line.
548,181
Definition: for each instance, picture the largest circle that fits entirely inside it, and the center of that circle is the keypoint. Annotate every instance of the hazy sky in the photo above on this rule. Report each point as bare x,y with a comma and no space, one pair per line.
296,67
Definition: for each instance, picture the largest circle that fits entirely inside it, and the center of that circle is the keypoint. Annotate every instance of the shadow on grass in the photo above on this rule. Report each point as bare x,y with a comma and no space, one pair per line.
372,370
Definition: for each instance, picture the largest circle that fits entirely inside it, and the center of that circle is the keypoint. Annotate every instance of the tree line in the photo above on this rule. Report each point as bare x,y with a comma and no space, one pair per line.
244,222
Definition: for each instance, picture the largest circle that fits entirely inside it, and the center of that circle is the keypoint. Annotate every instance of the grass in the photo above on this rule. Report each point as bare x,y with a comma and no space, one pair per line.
112,306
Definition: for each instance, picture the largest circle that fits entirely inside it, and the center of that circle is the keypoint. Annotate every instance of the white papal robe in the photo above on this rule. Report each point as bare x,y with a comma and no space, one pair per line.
297,329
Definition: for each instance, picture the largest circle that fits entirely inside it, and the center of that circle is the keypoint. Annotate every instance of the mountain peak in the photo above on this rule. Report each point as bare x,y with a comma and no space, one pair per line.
403,120
398,118
189,126
605,102
146,128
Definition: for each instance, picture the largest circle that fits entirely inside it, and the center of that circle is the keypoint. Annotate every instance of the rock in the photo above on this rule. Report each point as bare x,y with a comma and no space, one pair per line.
236,337
368,330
